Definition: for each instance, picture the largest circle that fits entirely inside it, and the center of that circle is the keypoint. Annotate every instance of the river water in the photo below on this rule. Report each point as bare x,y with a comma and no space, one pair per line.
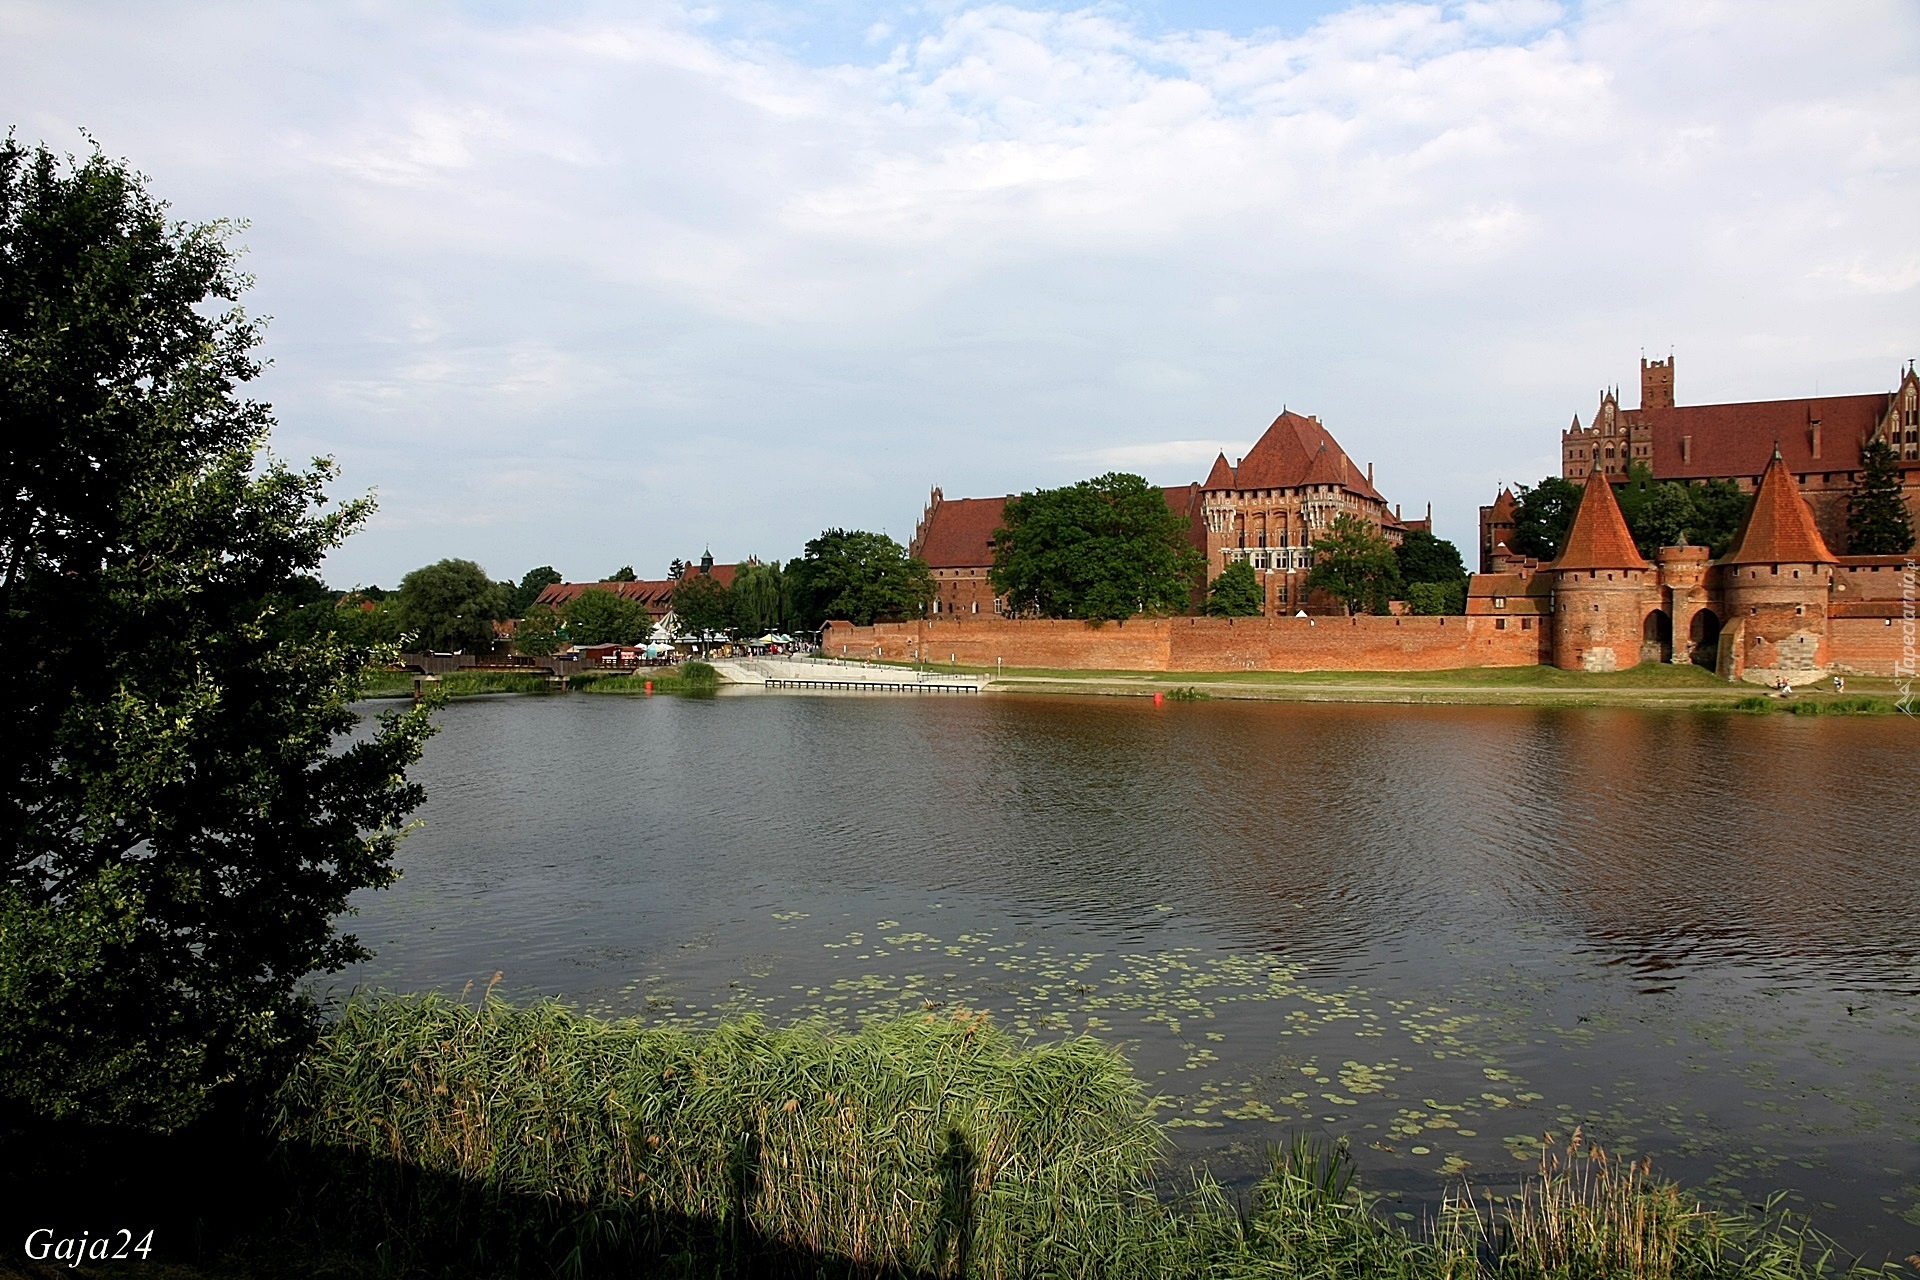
1440,932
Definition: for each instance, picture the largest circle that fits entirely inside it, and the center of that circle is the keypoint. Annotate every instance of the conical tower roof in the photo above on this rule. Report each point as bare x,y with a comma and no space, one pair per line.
1779,528
1221,477
1599,537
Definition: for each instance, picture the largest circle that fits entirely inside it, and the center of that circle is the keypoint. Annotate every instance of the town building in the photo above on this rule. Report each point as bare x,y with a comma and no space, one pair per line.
1819,438
655,593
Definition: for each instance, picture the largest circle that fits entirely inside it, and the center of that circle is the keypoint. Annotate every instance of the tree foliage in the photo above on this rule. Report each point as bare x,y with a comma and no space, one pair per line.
186,802
1236,593
1431,574
1354,563
451,604
858,577
624,573
1542,515
1423,557
1659,513
702,605
532,583
762,599
1878,522
1108,547
597,616
541,631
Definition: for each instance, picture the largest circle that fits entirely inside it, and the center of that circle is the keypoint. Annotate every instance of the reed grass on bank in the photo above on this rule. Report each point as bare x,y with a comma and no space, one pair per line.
533,1140
684,677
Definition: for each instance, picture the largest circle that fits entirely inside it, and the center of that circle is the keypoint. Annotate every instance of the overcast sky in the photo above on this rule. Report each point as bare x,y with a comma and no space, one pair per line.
592,285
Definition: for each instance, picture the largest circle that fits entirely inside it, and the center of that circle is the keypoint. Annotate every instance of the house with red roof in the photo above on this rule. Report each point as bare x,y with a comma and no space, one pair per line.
655,593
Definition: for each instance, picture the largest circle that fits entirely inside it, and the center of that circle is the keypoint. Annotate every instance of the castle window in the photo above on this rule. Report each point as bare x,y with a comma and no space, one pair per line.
1799,610
976,606
1526,624
1499,602
1499,624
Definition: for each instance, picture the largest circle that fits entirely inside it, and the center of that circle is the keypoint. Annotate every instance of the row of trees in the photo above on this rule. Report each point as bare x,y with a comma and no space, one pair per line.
453,604
1708,513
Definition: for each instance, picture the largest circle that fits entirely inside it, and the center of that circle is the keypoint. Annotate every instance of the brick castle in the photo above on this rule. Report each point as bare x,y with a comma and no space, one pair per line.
1779,604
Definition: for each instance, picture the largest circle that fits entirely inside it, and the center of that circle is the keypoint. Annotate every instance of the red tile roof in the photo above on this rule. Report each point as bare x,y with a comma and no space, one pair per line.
1504,509
1292,452
958,533
1599,537
1779,527
655,593
1739,439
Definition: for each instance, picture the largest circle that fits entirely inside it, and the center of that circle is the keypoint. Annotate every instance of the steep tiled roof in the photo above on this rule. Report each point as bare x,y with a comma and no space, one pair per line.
958,533
1294,451
1599,537
1739,439
1504,508
655,593
1779,527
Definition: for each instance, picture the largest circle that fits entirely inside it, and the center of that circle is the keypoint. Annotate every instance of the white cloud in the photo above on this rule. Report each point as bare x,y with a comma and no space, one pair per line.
989,251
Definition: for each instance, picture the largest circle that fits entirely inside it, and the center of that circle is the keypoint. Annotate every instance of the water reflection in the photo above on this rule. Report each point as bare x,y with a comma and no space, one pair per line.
1648,922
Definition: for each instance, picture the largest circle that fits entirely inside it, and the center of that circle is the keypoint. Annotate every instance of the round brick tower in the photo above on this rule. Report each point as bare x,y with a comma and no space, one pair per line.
1776,582
1606,596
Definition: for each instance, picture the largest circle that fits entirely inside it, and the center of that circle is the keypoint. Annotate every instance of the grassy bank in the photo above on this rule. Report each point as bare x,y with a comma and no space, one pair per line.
495,1138
1648,685
684,677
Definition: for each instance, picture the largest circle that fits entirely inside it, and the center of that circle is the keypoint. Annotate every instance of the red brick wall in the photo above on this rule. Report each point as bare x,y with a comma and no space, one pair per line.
1206,644
1869,645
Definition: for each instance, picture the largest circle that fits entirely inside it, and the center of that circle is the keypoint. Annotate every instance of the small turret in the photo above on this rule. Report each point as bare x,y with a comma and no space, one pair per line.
1606,594
1776,582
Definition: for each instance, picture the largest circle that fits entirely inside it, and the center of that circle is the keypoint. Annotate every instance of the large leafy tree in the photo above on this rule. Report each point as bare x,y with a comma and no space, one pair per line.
451,604
1878,522
541,631
1430,569
598,616
532,583
185,801
1542,515
859,577
703,606
761,599
1354,563
1108,547
1236,593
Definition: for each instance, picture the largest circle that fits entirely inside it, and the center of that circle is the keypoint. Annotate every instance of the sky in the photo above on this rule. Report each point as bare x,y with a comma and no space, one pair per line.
595,285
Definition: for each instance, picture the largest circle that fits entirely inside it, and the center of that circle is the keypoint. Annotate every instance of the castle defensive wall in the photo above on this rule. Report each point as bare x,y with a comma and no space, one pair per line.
1780,605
